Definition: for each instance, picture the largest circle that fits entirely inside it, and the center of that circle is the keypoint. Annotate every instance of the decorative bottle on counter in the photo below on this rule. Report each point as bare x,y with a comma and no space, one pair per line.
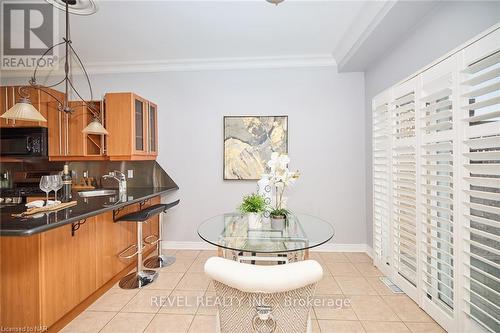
67,181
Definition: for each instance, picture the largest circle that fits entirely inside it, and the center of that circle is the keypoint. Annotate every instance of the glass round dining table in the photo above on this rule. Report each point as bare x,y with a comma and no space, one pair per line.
236,240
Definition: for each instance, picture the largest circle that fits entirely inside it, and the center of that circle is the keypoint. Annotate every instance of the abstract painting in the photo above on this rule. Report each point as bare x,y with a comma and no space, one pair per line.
249,142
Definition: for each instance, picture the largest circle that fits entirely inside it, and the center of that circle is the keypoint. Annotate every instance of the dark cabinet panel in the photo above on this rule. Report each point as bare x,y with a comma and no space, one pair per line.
139,125
153,135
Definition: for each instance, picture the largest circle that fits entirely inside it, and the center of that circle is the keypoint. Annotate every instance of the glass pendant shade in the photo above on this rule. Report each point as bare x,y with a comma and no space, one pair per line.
23,110
276,2
95,127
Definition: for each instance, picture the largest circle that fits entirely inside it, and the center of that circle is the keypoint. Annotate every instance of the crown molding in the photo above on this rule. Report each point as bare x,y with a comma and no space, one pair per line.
182,65
366,22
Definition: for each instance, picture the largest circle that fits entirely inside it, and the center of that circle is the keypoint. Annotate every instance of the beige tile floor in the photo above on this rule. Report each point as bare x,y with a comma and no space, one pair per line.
347,276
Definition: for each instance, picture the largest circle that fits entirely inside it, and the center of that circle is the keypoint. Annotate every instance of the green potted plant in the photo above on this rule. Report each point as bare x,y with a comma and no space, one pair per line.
253,206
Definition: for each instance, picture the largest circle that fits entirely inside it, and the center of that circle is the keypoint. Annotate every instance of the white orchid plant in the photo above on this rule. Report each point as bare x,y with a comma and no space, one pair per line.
281,177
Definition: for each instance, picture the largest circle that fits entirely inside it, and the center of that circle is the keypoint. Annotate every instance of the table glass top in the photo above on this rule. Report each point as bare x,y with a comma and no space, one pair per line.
231,231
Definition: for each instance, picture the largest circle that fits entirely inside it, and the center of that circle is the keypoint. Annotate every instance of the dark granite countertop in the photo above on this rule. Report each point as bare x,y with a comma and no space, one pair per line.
86,207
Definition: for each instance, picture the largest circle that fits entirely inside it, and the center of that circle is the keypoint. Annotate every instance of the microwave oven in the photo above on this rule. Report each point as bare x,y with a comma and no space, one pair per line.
24,142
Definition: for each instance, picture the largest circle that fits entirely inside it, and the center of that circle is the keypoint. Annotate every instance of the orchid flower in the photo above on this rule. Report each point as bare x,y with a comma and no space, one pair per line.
281,176
278,162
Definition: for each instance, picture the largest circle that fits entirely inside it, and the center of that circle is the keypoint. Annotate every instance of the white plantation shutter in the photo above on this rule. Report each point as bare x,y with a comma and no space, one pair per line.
480,89
443,187
404,194
381,174
438,119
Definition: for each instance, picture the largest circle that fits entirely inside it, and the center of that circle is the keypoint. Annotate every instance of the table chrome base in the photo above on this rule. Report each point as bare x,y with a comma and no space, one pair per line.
254,259
138,280
159,261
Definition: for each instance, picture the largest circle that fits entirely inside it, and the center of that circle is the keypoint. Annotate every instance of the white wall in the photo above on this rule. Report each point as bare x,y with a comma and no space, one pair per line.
326,139
448,26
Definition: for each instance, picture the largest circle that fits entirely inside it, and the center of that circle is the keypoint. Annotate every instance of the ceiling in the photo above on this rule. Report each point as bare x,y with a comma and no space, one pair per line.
397,22
159,30
128,36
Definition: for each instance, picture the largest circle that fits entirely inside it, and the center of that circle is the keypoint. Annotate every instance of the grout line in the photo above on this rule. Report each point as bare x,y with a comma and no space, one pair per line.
149,323
387,303
174,289
130,300
199,255
197,309
354,311
200,315
409,329
159,308
191,323
106,322
316,319
116,313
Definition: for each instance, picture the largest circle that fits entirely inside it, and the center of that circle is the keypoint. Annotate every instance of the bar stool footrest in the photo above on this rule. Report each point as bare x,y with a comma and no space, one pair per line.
155,239
122,255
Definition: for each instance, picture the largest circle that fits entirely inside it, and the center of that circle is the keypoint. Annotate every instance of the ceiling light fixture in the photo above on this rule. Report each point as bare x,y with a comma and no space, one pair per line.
24,109
276,2
95,127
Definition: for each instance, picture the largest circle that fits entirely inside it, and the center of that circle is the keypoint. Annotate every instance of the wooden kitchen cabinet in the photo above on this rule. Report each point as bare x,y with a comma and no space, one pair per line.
9,96
152,129
47,275
131,120
66,140
68,266
20,286
132,125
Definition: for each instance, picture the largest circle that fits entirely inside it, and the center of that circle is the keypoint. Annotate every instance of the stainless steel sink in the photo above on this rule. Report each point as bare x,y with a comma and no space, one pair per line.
96,193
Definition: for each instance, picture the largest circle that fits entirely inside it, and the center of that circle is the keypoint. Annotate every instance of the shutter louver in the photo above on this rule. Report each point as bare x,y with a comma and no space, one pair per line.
481,110
443,184
404,186
381,170
437,227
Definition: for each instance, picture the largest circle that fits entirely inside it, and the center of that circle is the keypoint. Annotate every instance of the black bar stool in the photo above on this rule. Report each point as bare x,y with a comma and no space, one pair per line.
159,260
141,277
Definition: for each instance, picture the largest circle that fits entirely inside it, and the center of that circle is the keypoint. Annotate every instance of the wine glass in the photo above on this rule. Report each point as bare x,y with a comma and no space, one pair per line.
46,186
56,184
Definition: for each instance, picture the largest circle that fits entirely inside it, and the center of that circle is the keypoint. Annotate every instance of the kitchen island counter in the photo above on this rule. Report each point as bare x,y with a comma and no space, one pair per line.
62,262
85,208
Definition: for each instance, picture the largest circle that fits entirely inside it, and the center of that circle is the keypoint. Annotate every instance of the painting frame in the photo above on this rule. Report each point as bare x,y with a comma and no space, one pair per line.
286,120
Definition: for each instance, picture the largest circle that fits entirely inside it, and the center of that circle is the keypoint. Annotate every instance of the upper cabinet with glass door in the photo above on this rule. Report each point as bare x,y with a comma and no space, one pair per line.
132,125
152,129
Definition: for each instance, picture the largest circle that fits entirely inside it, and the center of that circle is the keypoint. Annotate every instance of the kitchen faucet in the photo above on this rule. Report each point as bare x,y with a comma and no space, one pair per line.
120,177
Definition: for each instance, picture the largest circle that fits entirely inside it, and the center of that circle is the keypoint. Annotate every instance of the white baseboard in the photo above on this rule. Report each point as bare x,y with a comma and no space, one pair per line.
329,247
332,247
369,251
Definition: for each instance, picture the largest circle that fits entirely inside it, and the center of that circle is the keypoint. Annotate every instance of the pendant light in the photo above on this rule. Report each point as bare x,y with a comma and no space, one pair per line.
276,2
95,127
24,109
